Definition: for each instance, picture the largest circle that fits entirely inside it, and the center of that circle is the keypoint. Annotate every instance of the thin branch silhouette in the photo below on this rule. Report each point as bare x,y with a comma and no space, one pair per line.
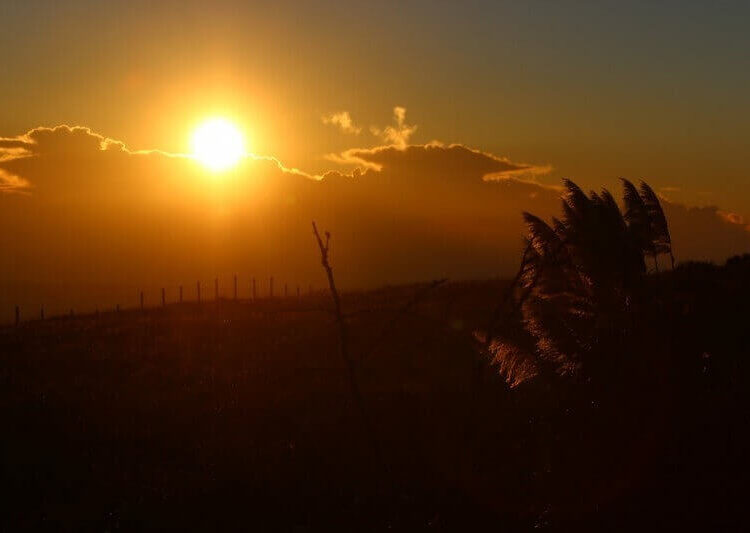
344,341
383,335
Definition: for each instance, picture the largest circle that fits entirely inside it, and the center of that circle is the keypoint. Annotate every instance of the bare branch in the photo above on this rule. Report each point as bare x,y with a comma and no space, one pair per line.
344,341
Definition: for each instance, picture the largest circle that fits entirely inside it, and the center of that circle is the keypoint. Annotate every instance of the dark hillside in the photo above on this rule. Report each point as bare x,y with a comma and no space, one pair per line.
238,414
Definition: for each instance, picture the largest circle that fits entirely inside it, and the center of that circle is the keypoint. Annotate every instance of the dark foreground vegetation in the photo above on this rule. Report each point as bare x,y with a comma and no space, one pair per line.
239,415
592,392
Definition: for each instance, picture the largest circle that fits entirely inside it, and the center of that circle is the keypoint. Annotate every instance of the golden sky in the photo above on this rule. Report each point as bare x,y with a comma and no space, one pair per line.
407,110
598,90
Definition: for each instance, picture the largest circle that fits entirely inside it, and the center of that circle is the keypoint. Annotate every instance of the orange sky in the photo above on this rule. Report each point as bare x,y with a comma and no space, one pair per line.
405,109
88,221
597,90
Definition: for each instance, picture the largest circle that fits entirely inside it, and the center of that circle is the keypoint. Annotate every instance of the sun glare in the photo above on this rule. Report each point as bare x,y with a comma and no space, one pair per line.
218,144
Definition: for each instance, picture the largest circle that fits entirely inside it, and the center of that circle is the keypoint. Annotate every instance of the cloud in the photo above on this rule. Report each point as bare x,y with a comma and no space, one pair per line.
705,233
399,134
98,212
457,161
62,139
49,160
732,218
12,184
343,120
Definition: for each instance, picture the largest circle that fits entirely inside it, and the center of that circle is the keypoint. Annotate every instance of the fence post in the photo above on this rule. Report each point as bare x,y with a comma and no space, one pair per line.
198,286
180,293
18,316
285,290
117,308
141,300
235,286
270,288
253,289
71,313
41,313
216,289
163,297
298,292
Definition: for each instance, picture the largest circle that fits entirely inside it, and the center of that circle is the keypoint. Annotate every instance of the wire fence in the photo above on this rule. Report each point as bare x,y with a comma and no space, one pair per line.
257,293
253,290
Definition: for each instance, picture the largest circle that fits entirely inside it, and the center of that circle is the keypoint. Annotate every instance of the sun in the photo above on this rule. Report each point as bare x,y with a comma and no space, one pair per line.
218,144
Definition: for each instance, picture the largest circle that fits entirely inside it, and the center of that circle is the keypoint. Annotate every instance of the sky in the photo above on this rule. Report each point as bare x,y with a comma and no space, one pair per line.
586,90
597,89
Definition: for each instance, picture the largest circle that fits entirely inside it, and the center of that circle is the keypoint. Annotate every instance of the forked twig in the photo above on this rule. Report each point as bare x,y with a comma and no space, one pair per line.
344,340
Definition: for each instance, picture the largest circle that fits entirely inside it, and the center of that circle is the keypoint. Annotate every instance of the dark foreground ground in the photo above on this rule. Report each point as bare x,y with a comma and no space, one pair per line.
238,415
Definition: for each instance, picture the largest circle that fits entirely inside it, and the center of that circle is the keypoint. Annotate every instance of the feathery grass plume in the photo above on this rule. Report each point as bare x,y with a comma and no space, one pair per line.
578,286
514,363
638,218
658,221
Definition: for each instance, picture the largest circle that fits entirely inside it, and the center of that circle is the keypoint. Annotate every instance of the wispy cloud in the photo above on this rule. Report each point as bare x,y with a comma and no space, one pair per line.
12,184
399,134
343,120
732,218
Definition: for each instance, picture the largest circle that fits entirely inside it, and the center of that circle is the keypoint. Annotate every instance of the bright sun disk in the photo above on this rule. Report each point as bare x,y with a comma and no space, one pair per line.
218,144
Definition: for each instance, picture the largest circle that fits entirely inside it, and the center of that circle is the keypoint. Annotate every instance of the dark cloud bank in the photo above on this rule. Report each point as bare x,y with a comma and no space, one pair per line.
78,209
